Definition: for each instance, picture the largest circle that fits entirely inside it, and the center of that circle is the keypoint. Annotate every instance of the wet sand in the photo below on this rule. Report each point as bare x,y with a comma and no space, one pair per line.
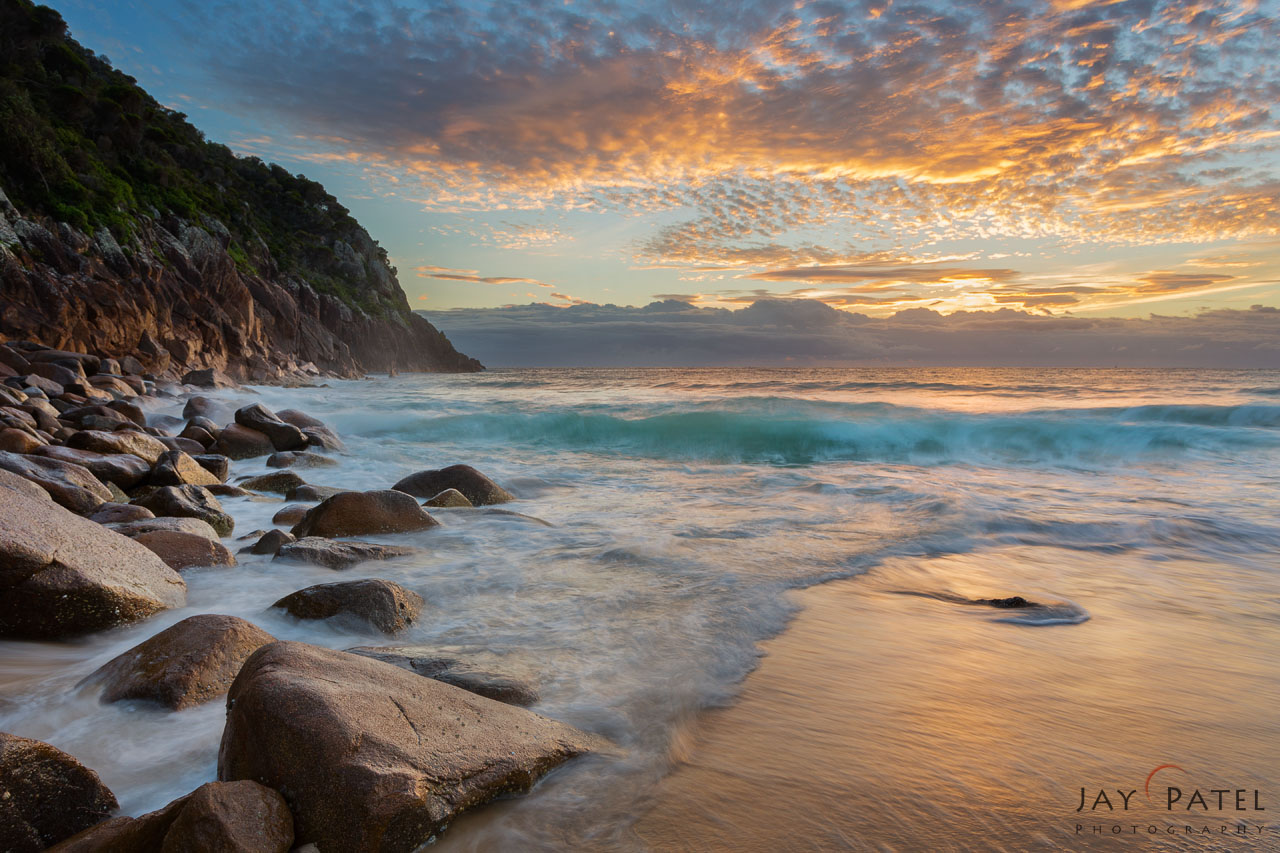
888,722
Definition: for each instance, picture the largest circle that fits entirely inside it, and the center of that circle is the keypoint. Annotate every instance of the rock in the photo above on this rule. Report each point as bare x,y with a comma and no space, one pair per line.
177,442
323,438
217,817
68,484
309,492
176,468
62,575
206,424
113,513
189,502
289,515
277,481
375,603
239,442
336,555
131,366
181,550
23,486
360,513
223,490
373,757
19,441
200,436
213,411
55,373
45,795
477,488
123,469
141,526
283,436
82,414
299,419
449,498
14,360
87,365
132,411
1015,602
185,665
50,388
139,444
499,688
208,378
299,459
218,466
271,542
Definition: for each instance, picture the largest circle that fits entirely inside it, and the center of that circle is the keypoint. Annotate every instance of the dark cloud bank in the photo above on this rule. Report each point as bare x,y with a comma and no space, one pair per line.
773,332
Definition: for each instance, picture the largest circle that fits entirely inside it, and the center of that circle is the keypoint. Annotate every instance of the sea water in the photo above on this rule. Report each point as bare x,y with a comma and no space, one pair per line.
673,511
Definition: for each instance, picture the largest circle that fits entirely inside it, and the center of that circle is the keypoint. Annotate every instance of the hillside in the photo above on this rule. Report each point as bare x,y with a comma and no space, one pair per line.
122,229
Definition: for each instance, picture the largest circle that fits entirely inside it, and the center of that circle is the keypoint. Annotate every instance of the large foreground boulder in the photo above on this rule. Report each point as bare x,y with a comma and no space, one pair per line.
71,485
62,575
218,817
189,502
373,603
362,513
476,487
184,665
45,795
334,554
372,757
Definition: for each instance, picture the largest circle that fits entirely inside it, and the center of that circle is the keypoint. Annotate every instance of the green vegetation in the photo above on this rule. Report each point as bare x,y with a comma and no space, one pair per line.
83,143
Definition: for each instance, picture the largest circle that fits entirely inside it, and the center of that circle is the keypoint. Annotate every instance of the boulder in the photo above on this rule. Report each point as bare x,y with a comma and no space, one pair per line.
372,757
132,411
281,482
449,498
62,575
55,373
218,466
123,469
188,502
225,490
374,603
283,436
45,795
14,360
140,444
361,513
197,434
213,411
177,442
18,441
239,442
289,515
138,527
271,542
185,665
110,513
500,688
299,459
309,492
50,388
176,468
333,554
86,365
70,485
206,424
181,550
23,486
317,432
208,378
217,817
477,488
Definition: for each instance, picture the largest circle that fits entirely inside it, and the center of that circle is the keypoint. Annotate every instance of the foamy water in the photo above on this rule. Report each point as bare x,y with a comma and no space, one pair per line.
685,503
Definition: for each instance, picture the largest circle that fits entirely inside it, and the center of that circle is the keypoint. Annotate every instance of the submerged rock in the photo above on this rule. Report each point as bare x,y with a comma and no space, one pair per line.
500,688
477,488
45,795
372,757
64,575
309,492
449,498
299,459
333,554
189,502
376,603
361,513
217,817
271,542
185,665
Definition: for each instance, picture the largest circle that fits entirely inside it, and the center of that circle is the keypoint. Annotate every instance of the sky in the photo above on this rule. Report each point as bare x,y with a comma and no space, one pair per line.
1056,158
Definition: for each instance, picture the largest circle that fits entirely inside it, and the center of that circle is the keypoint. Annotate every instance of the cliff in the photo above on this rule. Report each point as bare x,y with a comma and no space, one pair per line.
124,230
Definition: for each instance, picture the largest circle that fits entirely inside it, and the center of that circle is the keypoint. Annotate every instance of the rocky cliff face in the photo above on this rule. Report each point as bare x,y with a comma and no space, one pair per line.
174,297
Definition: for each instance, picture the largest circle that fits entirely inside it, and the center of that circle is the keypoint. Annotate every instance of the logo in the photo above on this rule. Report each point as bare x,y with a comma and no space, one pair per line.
1170,791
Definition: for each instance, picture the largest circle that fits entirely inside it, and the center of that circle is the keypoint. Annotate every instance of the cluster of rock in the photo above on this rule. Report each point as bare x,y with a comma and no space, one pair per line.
103,509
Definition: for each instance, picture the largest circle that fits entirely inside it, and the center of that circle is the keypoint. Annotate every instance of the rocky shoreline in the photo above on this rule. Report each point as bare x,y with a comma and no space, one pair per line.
105,503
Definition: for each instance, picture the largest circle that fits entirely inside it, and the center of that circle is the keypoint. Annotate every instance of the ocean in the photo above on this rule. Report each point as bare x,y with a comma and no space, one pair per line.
771,588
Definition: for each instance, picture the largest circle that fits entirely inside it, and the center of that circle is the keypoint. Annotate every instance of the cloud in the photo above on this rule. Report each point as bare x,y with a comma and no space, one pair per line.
448,274
793,332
